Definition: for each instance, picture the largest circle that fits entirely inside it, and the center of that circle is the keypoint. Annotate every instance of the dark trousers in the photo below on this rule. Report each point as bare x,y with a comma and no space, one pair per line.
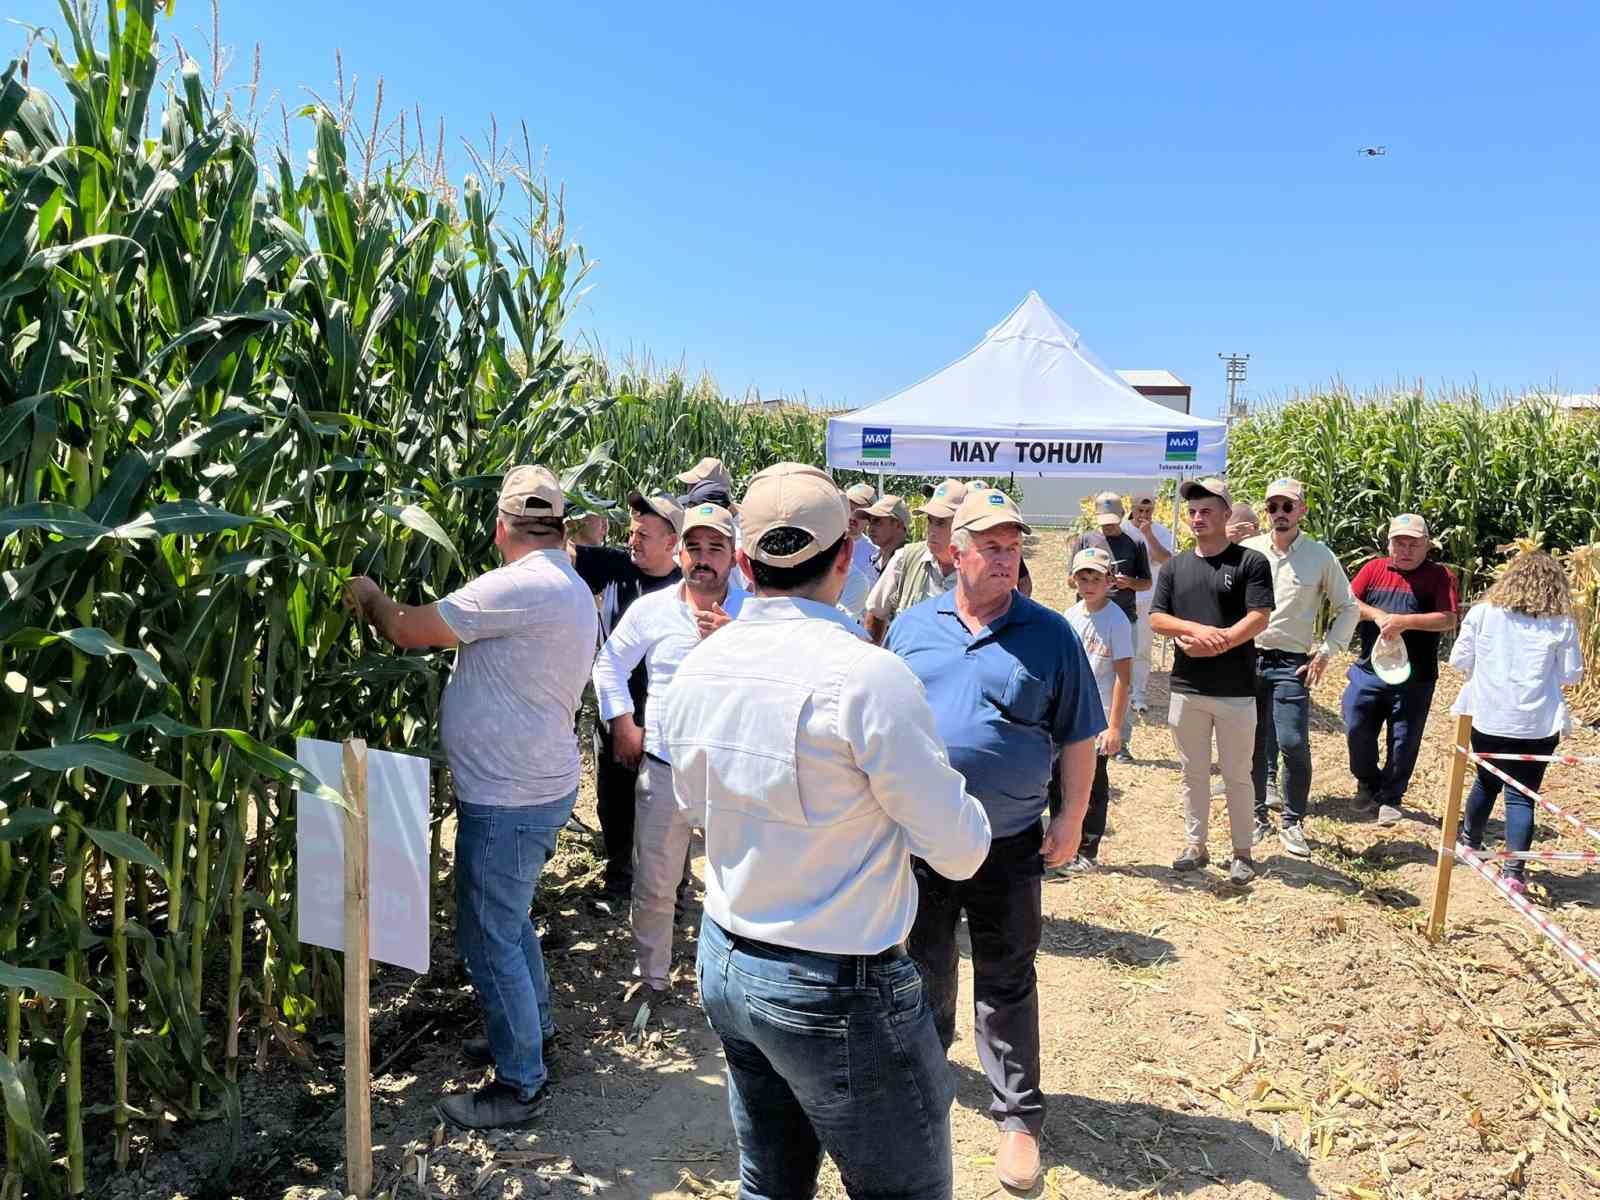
1519,809
614,802
1003,916
1369,706
828,1052
1094,820
1283,726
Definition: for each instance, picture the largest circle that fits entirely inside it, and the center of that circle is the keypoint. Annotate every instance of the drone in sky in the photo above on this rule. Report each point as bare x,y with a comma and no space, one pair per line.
1373,151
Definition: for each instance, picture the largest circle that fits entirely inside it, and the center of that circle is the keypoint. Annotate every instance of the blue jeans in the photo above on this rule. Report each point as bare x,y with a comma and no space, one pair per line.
1283,726
1370,704
500,852
1519,809
828,1052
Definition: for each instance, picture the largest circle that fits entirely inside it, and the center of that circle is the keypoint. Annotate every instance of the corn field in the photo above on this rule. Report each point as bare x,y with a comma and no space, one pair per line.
226,384
1482,473
1486,475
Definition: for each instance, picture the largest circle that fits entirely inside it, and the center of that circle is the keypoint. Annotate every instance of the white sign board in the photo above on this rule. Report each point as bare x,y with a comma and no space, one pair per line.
397,854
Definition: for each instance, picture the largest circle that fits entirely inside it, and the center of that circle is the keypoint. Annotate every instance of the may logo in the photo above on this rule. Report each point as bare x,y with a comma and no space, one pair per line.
876,442
1183,446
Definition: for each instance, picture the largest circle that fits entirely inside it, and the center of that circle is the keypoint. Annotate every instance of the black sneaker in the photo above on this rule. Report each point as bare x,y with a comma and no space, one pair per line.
495,1105
1366,798
476,1049
1191,860
1125,756
1262,831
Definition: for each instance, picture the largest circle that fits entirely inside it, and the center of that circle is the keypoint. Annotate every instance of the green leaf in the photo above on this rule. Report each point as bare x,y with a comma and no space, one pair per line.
57,518
414,516
23,822
125,845
91,641
47,983
98,757
181,516
26,1115
280,765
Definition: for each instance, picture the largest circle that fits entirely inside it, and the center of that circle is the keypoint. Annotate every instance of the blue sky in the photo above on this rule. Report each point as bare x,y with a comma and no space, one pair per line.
837,199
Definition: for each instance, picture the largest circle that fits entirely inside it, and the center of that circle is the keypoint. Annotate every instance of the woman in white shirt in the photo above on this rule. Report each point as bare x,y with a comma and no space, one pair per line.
1518,647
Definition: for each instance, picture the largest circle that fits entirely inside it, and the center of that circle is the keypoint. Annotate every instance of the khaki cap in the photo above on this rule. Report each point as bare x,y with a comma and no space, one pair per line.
977,485
861,493
1143,496
1108,508
946,498
793,496
1092,558
1408,525
1209,486
987,510
708,516
891,506
1289,489
664,507
708,469
531,492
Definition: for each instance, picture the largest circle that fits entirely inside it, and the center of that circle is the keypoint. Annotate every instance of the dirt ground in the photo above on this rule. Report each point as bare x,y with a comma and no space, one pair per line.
1295,1039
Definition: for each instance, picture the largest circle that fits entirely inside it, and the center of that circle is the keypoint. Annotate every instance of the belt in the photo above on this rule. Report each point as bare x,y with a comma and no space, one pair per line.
849,968
1284,655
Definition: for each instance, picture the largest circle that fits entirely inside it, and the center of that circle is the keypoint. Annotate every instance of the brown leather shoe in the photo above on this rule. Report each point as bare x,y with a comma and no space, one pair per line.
1016,1162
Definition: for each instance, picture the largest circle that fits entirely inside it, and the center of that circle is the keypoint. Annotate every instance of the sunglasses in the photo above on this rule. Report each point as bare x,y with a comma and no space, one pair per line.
1275,508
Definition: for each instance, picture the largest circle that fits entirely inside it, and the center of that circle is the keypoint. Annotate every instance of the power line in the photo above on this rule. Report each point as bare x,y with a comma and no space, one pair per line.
1238,407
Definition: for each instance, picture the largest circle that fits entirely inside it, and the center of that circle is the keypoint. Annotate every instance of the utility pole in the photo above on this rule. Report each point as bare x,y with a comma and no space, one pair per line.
1237,407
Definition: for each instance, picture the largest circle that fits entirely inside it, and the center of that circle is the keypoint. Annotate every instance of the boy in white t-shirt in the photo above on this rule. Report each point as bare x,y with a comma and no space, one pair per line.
1107,637
1106,634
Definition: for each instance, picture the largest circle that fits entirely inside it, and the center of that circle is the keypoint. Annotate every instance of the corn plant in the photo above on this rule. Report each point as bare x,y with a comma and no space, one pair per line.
224,388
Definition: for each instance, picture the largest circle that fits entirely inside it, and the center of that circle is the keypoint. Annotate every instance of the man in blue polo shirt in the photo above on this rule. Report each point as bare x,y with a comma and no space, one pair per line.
1011,691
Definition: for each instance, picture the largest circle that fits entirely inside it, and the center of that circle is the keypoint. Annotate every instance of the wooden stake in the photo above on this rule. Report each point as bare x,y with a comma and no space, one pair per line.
1455,784
357,975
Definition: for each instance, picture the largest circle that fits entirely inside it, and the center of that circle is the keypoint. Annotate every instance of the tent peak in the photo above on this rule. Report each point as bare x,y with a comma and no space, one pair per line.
1034,320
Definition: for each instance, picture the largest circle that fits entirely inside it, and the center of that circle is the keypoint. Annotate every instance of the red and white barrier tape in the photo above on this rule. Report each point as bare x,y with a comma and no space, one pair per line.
1544,855
1540,922
1566,760
1548,805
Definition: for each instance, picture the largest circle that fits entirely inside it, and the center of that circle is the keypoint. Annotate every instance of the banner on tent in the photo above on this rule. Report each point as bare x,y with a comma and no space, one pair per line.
922,451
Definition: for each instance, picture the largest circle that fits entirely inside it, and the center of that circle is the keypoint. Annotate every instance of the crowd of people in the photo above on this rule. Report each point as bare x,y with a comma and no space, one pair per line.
878,736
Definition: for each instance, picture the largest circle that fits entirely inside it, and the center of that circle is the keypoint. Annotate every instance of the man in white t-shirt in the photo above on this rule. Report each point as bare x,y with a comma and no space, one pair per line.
1158,544
659,630
525,633
1107,637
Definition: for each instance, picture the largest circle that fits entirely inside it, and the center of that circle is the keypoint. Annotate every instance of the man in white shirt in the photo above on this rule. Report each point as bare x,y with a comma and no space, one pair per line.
658,631
811,760
862,496
1291,658
1159,545
525,632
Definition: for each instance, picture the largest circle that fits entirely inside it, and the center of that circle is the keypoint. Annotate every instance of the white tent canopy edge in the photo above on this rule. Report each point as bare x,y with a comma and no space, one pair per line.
1030,399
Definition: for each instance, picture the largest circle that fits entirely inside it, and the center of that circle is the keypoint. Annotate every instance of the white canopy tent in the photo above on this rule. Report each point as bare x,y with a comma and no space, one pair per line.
1029,399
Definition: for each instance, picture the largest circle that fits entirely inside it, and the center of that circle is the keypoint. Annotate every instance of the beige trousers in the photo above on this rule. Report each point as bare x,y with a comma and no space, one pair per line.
661,837
1233,719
